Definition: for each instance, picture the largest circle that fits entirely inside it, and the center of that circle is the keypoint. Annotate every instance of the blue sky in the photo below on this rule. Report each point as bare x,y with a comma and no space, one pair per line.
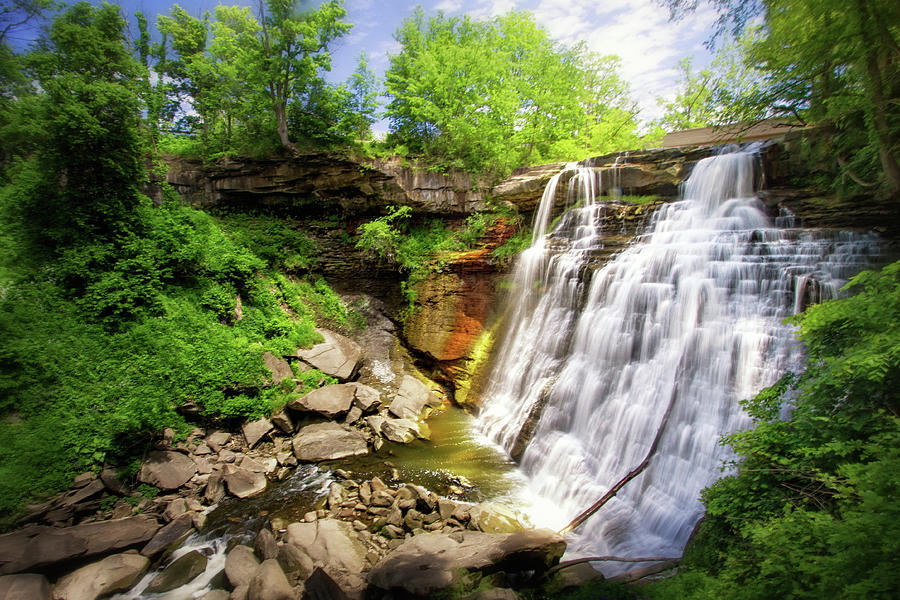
636,30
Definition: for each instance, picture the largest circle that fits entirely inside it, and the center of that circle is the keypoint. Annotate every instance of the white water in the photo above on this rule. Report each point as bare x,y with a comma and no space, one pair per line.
691,313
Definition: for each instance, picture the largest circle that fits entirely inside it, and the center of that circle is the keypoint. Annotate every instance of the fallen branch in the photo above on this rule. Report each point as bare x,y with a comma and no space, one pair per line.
638,574
577,561
584,516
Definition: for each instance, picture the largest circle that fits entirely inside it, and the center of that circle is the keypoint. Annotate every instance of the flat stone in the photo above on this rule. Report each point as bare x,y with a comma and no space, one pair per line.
428,563
88,490
112,482
243,483
182,570
353,415
337,355
328,441
114,573
217,440
413,400
283,421
216,595
50,545
331,401
402,431
215,488
493,517
167,470
296,564
256,430
175,509
27,586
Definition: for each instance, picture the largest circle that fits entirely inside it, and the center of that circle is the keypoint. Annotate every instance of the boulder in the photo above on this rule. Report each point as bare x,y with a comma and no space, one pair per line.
167,470
402,431
87,491
296,564
412,400
335,546
243,483
217,440
49,545
97,580
270,583
425,564
111,480
331,401
27,586
280,368
169,536
255,430
493,594
215,488
240,565
179,572
337,355
283,421
328,441
264,545
175,509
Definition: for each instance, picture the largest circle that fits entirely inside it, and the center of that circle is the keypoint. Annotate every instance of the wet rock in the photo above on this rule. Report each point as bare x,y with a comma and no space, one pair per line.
240,565
167,470
27,586
256,430
170,535
334,545
402,431
337,355
328,441
321,586
270,583
264,545
50,545
181,571
445,508
493,594
572,577
280,368
331,401
428,563
243,483
112,574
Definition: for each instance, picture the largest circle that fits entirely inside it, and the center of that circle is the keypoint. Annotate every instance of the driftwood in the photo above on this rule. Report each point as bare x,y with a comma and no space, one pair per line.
577,561
584,516
638,574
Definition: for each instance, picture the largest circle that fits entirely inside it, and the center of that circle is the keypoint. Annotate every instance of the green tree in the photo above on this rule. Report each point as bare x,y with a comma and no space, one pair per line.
492,95
842,74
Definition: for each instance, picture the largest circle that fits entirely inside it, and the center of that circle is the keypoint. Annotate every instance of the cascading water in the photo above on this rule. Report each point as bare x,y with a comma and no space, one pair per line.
690,316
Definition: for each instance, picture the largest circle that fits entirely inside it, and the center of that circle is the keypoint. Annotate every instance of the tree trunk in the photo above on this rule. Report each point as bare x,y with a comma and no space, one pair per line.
281,117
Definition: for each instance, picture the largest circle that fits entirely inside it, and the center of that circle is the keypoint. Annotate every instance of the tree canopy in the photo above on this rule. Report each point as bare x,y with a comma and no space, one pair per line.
499,93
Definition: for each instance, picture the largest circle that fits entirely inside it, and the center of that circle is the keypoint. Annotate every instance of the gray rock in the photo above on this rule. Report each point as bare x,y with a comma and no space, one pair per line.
283,421
112,574
264,545
572,577
322,586
215,488
328,441
169,536
217,440
270,583
49,545
428,563
337,356
27,586
331,401
413,400
256,430
240,565
252,464
181,571
335,546
243,483
280,368
375,421
402,431
296,564
353,415
241,592
112,482
167,470
366,398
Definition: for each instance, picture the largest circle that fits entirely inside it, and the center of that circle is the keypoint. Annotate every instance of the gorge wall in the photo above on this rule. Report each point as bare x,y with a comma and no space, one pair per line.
455,309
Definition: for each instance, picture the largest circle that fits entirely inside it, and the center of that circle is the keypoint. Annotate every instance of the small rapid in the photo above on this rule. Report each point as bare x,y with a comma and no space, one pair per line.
689,320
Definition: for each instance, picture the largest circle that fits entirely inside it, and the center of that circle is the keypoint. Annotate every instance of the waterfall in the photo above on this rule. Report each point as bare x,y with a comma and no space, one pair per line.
690,315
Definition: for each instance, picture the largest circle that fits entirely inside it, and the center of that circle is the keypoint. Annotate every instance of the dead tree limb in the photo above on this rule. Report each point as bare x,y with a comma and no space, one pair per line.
589,559
584,516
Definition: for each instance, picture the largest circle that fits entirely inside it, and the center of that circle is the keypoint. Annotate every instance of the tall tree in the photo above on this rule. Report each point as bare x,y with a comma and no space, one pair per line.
295,47
842,73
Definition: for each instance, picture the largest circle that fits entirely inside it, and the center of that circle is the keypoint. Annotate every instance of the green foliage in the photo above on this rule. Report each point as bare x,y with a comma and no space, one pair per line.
514,246
811,510
273,240
488,96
